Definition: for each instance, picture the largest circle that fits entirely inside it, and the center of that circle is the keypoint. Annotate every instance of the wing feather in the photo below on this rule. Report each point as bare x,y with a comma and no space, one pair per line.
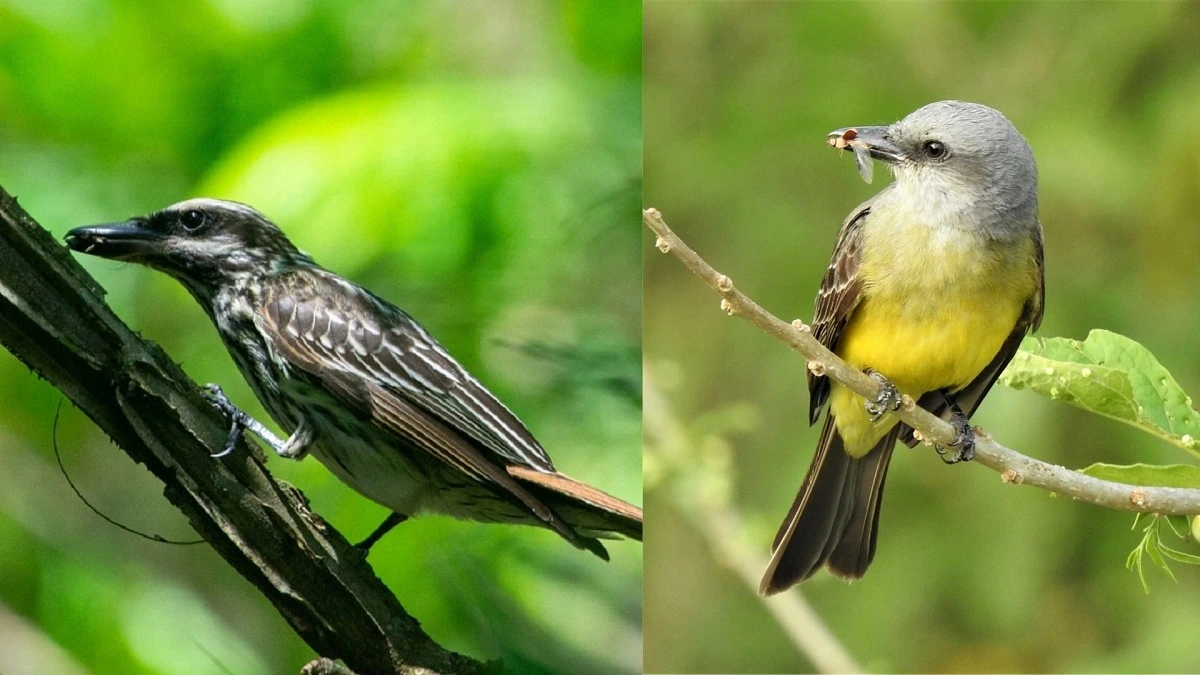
343,328
837,299
387,368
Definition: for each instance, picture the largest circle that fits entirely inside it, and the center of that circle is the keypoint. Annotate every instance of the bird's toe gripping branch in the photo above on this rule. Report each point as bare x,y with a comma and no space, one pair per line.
889,398
964,438
216,396
295,447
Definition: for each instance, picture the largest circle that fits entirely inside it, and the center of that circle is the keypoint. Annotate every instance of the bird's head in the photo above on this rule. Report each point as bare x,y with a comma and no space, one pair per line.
954,151
205,243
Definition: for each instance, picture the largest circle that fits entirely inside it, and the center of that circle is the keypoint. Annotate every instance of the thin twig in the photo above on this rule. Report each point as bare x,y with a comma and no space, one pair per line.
1013,466
104,516
721,527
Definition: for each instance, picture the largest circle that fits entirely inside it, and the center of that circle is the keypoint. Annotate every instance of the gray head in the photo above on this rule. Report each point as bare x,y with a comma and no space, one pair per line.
958,156
205,243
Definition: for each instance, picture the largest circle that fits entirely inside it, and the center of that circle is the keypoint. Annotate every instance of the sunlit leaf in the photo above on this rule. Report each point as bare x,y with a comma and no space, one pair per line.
1110,375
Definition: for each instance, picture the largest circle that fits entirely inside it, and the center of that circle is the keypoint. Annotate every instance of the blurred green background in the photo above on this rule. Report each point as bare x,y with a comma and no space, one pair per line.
477,163
971,575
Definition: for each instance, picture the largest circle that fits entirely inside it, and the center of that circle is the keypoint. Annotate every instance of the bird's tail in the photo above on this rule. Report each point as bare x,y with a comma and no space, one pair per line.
590,512
835,517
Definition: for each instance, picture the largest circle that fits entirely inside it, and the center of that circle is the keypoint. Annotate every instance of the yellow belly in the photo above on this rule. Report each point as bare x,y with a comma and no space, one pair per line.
933,315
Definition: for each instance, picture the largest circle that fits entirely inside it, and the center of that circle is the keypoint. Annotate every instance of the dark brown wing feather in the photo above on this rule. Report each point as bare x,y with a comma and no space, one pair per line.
336,326
376,359
970,396
836,300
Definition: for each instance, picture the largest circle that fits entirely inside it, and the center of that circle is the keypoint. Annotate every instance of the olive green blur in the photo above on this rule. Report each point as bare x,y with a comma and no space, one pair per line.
476,163
972,575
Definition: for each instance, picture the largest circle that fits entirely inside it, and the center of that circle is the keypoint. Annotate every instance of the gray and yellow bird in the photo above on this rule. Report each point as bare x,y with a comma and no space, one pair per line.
933,283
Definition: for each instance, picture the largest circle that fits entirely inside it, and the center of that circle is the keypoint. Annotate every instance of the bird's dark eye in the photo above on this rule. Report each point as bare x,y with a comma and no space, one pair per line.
192,220
934,149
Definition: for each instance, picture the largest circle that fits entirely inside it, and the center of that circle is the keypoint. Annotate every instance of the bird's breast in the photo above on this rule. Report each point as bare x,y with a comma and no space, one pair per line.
938,302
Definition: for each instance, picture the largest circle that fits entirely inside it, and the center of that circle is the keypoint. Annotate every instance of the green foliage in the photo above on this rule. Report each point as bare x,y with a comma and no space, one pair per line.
1110,375
1153,547
1114,376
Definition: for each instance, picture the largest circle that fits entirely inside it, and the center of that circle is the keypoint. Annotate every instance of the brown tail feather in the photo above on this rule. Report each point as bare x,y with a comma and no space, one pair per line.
582,506
835,516
856,549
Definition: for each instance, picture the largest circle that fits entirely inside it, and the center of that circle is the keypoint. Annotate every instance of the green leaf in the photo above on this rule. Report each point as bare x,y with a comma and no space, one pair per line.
1150,475
1178,555
1152,545
1110,375
1175,530
1152,549
1135,562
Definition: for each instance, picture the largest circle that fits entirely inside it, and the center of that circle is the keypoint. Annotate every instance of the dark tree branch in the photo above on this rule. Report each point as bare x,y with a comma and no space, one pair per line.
54,319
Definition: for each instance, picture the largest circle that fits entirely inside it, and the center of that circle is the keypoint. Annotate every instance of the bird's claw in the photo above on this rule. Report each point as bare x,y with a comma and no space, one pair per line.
889,398
216,396
964,441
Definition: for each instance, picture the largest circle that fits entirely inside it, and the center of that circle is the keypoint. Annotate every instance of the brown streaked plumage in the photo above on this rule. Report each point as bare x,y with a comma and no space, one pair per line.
357,381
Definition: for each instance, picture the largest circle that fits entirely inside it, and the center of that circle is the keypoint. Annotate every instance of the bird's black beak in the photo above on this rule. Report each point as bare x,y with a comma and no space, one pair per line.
877,139
130,240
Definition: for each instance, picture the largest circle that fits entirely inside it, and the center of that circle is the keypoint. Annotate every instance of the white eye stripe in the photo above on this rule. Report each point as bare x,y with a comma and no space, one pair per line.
207,204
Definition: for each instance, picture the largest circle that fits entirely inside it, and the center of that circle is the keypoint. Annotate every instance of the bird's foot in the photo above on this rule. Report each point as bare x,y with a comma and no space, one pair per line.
293,447
237,418
889,398
963,443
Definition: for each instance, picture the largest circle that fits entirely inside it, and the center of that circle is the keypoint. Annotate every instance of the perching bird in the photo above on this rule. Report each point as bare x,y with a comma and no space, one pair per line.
933,284
356,381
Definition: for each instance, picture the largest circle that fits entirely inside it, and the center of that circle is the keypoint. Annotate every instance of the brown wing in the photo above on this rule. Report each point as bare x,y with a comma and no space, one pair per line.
338,327
836,300
380,363
970,396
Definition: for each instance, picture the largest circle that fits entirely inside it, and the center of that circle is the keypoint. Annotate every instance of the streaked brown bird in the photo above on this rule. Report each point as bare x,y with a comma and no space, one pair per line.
356,381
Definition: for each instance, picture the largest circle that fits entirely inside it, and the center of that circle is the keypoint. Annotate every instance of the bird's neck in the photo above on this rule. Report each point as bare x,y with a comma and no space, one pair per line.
936,200
211,282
